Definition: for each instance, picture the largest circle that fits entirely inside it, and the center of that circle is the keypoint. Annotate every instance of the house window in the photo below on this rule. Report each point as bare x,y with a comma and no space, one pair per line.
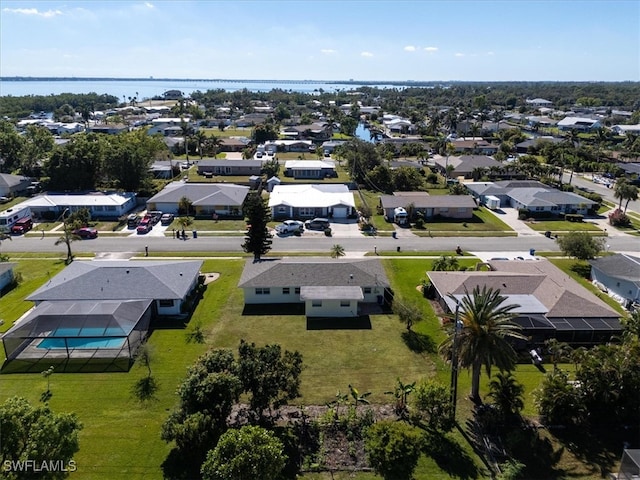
367,290
286,291
282,209
316,303
165,303
307,212
345,303
296,290
111,208
263,291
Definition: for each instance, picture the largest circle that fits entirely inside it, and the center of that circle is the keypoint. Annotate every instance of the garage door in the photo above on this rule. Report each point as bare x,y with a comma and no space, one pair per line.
340,212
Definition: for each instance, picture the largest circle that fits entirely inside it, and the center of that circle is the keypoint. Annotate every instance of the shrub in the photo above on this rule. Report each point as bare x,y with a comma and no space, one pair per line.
523,214
327,232
573,217
619,219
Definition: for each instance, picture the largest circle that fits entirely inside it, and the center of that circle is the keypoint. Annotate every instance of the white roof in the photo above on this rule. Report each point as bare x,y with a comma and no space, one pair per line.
313,196
574,120
64,200
308,164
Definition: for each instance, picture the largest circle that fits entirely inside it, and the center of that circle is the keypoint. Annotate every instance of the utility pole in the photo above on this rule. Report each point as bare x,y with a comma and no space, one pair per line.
454,362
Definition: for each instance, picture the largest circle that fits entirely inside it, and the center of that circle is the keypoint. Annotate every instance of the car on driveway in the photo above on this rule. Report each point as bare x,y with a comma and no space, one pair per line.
290,226
317,224
166,219
145,226
86,232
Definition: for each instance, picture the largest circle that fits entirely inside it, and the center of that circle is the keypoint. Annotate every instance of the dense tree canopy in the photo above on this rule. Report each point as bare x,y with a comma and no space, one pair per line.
39,435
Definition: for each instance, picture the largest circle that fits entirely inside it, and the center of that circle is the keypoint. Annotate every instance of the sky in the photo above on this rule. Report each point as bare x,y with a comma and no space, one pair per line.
376,40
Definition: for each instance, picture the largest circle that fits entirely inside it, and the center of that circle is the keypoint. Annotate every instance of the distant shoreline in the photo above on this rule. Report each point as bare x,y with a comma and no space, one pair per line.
416,83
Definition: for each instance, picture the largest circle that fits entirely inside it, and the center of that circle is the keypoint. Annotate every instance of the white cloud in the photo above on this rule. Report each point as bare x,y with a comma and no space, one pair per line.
430,49
490,53
366,54
409,48
327,51
33,11
459,54
149,5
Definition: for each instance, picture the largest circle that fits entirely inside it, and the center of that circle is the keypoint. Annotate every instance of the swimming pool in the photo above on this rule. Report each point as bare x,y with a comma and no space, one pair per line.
81,342
89,338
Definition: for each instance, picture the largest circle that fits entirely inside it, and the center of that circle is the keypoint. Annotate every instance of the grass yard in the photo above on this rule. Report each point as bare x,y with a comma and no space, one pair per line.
121,437
482,223
562,226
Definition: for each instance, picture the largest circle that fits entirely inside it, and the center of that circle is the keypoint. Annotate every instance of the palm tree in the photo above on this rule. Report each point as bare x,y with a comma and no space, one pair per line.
487,327
67,237
200,137
625,191
558,351
507,394
337,251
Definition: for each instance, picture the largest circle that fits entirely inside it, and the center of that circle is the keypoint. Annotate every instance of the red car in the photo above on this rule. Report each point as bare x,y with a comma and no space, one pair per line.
144,227
86,232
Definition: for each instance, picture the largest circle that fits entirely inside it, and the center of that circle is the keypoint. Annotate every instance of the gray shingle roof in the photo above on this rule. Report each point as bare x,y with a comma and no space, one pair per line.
202,193
559,293
313,272
398,199
625,267
120,280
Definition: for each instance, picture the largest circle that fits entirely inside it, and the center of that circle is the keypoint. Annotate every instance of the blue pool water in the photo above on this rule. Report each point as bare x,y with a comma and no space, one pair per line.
52,343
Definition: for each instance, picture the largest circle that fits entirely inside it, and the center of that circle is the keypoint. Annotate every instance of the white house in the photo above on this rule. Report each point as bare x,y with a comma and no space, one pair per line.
99,204
620,275
582,124
625,129
327,288
206,198
310,168
538,102
311,200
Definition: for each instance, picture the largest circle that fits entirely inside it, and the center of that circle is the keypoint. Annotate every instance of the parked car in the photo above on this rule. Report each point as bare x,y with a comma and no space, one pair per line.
154,215
317,224
5,199
22,225
166,218
133,220
86,232
290,226
145,226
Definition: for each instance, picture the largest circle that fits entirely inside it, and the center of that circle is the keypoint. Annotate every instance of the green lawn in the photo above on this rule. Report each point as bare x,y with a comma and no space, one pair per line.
562,226
121,438
482,223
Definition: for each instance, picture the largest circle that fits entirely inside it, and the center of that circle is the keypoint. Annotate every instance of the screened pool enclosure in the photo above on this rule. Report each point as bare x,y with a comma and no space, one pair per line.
78,336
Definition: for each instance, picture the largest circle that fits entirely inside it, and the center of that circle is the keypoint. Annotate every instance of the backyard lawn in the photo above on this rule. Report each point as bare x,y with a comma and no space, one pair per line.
563,226
121,437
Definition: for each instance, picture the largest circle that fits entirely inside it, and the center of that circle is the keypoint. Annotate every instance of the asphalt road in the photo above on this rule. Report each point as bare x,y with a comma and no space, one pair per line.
607,193
316,244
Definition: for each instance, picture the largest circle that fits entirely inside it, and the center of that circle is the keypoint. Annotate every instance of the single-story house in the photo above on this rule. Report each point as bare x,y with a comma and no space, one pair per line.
166,283
310,168
625,129
206,198
583,124
169,126
234,144
99,204
308,201
464,165
328,147
326,287
318,131
530,195
229,167
476,147
619,275
12,185
550,303
303,146
538,102
6,274
108,129
451,206
162,169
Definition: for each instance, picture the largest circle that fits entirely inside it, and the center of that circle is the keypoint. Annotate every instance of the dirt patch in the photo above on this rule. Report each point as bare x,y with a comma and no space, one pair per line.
210,277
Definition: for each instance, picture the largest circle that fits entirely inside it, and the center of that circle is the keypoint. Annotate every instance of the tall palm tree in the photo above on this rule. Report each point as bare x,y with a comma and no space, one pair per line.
484,339
200,137
625,191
